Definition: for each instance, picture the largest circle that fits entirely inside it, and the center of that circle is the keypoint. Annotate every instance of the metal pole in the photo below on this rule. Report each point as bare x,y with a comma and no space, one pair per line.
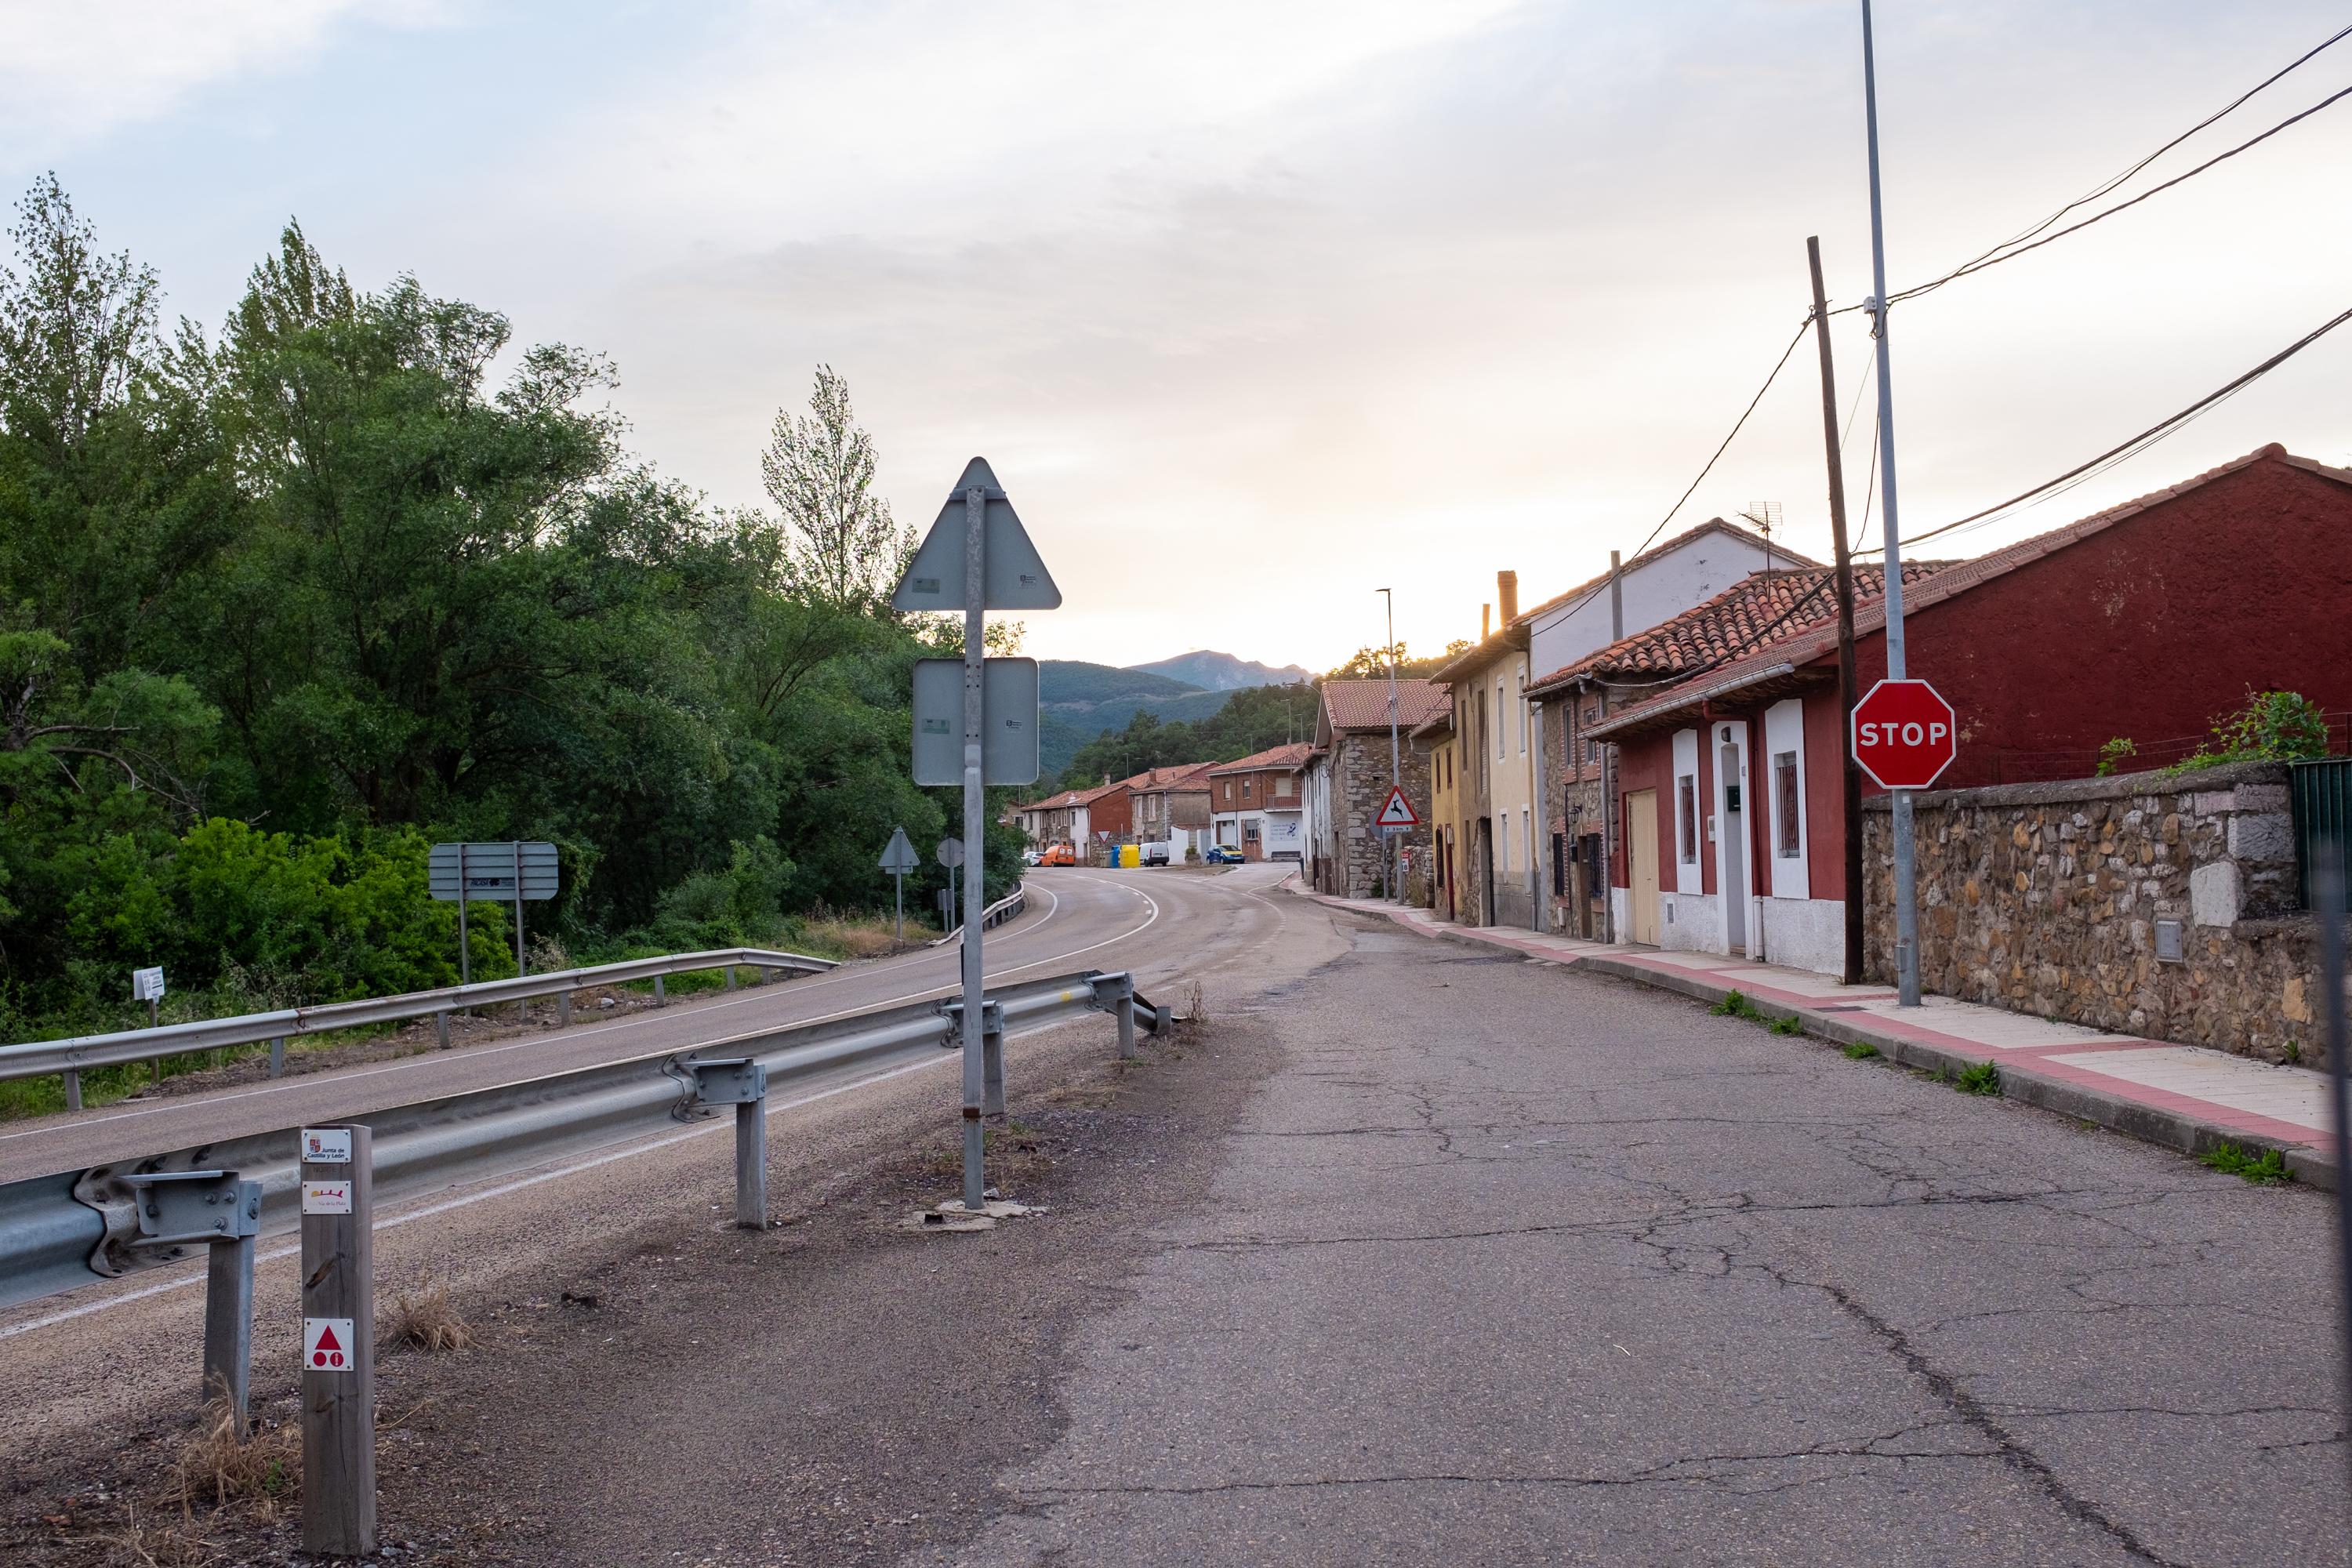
2327,893
464,949
752,1159
1396,753
1850,771
993,1060
73,1088
228,1312
898,900
522,1007
975,617
1906,872
339,1385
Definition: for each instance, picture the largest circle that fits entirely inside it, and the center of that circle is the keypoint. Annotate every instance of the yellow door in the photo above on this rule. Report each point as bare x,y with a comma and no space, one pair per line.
1642,863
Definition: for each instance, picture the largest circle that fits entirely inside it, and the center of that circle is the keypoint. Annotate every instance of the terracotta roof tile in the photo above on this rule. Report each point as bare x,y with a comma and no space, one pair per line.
1290,756
1364,704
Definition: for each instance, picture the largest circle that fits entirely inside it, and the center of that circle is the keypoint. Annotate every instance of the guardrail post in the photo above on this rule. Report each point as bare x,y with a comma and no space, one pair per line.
991,1058
338,1344
731,975
563,1009
228,1309
278,1056
661,992
1126,1011
441,1029
744,1083
73,1088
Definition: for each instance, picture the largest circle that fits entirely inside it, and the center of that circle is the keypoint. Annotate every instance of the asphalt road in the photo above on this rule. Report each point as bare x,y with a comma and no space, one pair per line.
1443,1256
1156,923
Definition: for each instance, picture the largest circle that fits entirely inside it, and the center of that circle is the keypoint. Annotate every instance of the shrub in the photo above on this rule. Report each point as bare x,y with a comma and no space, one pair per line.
2273,726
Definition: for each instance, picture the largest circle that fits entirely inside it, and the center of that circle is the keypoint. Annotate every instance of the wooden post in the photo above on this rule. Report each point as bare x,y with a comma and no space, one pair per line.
1850,772
338,1400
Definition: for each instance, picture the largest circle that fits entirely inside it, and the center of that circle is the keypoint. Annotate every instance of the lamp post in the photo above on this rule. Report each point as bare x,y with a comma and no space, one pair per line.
1396,750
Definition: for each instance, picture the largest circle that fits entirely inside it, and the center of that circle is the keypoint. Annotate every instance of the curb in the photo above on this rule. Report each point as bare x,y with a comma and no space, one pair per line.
2175,1130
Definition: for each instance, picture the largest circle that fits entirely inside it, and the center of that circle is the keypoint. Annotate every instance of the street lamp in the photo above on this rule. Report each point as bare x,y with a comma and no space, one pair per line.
1396,752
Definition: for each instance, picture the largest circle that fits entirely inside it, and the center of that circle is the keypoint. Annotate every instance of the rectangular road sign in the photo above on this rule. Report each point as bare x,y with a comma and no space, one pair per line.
147,985
490,871
326,1197
1008,690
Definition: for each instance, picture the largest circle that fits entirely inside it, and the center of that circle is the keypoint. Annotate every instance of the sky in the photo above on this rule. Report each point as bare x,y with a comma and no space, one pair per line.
1256,308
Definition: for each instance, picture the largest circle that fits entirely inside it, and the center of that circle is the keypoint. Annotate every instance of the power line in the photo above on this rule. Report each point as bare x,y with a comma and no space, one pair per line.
2146,438
1737,426
2231,107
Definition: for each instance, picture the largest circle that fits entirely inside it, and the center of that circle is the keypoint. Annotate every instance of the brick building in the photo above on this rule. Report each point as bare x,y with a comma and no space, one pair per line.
1257,803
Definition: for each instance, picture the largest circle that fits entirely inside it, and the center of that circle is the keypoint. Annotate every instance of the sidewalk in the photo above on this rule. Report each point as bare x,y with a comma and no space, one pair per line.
2188,1097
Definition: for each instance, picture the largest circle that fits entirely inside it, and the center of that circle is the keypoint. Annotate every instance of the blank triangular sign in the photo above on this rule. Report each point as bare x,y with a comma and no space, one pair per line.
900,856
1398,812
1015,575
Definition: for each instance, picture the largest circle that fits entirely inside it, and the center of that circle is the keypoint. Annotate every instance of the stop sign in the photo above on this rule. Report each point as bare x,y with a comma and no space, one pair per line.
1903,734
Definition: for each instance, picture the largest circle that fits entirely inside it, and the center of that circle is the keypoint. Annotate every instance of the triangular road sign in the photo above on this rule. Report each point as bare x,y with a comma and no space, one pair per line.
1398,812
1015,575
899,858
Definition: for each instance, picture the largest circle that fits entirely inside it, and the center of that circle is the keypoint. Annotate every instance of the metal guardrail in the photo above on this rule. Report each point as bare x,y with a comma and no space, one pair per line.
72,1228
73,1056
1006,907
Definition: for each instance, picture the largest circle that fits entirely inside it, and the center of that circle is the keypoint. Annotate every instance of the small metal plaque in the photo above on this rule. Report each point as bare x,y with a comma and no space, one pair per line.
327,1145
326,1197
2169,942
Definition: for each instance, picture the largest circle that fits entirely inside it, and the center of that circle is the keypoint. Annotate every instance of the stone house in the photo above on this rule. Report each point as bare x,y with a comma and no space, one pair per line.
1349,775
1172,805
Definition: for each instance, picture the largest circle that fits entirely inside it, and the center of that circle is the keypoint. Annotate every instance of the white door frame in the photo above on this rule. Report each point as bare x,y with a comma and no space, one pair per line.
1722,732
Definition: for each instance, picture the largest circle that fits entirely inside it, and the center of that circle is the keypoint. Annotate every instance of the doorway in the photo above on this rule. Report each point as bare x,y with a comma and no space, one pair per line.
1731,843
1642,864
1484,871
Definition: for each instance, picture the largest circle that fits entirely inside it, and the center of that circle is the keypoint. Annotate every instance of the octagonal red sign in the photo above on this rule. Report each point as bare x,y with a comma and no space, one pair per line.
1904,735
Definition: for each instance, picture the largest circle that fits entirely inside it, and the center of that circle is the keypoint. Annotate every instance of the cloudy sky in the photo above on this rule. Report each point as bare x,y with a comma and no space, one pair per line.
1258,307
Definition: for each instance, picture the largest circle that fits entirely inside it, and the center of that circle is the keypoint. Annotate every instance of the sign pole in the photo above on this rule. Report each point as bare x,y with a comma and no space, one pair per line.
338,1353
520,967
465,949
1907,870
899,901
975,617
2329,899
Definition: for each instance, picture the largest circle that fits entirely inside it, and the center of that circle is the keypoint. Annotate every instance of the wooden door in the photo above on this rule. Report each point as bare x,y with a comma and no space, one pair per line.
1642,863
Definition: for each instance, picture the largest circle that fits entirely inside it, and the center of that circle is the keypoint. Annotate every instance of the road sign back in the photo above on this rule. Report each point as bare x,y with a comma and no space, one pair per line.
899,858
1008,723
1398,812
1014,574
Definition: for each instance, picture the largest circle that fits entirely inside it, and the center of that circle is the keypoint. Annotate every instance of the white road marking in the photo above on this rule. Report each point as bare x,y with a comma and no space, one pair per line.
478,1052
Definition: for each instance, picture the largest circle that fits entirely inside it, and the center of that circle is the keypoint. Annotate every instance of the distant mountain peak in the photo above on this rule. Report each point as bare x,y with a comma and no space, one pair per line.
1213,671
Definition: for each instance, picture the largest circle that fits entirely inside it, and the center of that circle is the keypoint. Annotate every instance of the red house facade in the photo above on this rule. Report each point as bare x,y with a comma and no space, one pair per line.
2145,622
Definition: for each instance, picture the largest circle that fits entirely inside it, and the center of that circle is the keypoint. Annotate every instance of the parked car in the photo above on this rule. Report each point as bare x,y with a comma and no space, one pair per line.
1059,854
1224,855
1031,856
1156,854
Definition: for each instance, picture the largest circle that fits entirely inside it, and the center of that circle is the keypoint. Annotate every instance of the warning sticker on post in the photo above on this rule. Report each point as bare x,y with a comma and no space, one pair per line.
327,1345
326,1197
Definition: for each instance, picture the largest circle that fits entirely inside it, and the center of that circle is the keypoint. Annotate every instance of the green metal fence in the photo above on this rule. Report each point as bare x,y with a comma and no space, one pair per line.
2321,793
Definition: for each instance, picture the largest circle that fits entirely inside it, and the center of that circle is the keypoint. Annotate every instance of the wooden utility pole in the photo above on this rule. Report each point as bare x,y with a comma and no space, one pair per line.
1849,771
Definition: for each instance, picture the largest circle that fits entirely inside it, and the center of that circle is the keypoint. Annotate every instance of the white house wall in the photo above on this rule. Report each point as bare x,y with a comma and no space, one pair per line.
1656,589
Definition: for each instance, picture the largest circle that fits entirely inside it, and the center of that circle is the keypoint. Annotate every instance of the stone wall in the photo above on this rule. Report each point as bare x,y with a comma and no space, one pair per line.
2047,898
1359,787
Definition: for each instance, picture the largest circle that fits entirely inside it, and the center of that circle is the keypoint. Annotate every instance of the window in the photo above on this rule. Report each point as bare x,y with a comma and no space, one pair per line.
1245,788
1498,716
1560,865
1523,712
1502,835
1686,788
1527,842
1784,803
1282,786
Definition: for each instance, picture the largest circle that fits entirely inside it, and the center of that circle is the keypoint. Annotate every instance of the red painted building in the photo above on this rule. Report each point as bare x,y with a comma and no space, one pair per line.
2145,622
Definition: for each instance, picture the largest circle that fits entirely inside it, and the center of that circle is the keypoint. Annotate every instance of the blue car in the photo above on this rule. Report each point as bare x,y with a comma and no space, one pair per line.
1224,855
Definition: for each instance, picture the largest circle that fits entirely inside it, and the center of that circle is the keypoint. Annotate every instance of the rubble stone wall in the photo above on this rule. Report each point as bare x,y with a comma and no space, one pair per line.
2047,898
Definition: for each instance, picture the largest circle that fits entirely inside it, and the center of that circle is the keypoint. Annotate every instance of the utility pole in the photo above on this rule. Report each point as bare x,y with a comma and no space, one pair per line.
1396,753
1906,871
1609,763
1849,770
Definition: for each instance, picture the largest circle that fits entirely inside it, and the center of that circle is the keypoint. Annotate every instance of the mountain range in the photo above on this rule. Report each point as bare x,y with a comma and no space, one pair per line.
1079,700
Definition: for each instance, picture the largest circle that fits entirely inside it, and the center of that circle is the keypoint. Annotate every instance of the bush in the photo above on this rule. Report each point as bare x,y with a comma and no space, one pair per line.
2273,726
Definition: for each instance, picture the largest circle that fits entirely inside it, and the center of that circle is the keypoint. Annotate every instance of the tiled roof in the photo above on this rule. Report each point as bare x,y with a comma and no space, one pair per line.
1154,779
1817,639
1289,756
1754,612
1712,525
1364,704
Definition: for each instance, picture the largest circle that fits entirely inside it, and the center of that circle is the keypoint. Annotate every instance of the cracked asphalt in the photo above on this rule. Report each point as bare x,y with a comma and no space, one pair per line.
1506,1264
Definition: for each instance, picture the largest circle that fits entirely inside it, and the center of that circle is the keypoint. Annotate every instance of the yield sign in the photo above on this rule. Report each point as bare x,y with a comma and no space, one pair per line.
1398,812
326,1344
1013,576
1904,735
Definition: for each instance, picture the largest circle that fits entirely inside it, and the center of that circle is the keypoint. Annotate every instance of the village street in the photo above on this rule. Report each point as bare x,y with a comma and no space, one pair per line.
1505,1263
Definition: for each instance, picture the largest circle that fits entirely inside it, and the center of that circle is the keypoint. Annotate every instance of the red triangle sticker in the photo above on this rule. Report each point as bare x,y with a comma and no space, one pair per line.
327,1341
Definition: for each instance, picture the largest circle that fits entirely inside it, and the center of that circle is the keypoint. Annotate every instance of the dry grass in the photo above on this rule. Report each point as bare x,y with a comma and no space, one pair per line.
157,1541
1196,1005
427,1319
216,1467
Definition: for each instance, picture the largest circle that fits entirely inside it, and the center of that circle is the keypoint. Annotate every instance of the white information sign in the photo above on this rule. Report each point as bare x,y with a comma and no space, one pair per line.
326,1197
327,1345
147,985
327,1145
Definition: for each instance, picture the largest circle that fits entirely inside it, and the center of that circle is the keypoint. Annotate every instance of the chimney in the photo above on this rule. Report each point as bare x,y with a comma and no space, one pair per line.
1506,591
1485,621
